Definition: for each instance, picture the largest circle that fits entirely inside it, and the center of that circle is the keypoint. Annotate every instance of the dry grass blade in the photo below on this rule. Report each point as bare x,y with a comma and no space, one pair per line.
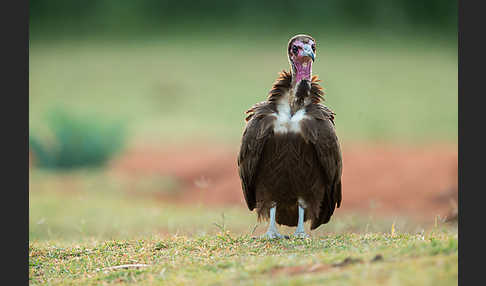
124,266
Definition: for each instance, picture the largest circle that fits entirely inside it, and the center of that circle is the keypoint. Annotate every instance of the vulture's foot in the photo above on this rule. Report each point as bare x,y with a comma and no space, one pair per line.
300,231
301,234
272,231
273,234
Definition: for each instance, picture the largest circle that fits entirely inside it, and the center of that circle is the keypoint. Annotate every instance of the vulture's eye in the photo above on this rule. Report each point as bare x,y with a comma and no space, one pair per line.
295,49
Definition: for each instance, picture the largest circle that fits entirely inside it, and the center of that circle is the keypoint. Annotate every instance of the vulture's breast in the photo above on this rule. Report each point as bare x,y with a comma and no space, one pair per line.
286,122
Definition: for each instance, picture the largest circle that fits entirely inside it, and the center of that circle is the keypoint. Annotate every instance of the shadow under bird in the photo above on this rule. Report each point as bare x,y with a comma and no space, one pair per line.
290,161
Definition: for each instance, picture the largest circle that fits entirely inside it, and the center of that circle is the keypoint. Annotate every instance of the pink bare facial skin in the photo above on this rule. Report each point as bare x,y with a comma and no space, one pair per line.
303,64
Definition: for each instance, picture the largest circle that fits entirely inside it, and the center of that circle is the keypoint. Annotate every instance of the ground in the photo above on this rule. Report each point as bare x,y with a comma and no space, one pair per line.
419,181
176,216
226,259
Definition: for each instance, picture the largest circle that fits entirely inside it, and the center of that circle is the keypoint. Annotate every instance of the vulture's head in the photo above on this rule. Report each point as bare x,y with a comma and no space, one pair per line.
301,51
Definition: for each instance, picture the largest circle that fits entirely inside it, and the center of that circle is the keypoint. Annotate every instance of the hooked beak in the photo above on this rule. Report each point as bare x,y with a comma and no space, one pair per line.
310,55
308,52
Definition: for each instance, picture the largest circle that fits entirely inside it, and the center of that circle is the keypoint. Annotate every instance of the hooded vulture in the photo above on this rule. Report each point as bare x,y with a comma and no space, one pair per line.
290,161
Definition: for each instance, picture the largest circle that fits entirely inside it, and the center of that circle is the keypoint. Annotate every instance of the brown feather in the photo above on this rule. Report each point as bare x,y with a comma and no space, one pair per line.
283,167
280,86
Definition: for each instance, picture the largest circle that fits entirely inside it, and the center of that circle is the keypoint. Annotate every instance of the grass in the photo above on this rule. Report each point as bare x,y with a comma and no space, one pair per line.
227,259
81,223
387,89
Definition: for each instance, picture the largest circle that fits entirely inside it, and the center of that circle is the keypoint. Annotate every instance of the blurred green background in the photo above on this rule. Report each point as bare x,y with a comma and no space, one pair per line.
127,18
105,76
172,69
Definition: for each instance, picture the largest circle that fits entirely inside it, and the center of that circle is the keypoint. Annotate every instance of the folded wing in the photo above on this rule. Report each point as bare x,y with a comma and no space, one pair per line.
319,131
257,131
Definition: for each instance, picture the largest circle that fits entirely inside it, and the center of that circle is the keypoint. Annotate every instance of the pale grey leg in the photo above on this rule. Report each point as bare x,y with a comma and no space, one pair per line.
272,231
300,231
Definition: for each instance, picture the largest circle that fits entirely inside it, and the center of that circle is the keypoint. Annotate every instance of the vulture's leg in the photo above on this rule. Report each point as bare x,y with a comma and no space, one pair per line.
300,231
272,231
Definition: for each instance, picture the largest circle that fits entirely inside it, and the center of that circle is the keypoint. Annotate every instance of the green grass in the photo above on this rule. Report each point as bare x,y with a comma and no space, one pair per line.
387,89
227,259
82,222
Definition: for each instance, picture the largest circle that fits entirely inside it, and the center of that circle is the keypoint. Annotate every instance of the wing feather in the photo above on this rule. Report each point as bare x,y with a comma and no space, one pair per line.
320,132
257,131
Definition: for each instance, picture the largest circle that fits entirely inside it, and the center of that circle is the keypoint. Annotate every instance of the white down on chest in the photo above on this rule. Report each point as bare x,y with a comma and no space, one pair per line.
285,122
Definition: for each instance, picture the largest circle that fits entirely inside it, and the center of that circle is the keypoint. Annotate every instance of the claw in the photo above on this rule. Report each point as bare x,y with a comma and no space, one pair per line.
272,231
273,235
301,234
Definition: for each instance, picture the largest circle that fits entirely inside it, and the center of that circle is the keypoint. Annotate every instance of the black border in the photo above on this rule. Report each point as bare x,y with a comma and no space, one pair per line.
15,156
471,141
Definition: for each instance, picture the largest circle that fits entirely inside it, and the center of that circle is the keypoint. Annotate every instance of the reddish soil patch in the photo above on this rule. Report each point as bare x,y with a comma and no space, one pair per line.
386,179
296,270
